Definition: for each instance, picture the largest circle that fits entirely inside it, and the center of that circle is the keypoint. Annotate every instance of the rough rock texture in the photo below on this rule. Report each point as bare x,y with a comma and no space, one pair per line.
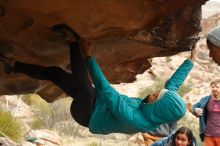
124,34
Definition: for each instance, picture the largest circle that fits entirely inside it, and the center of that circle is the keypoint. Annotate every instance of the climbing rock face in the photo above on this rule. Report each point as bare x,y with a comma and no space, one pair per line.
123,35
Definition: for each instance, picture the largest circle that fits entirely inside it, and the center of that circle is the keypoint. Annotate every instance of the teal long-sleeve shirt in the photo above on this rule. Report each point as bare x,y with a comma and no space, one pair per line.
117,113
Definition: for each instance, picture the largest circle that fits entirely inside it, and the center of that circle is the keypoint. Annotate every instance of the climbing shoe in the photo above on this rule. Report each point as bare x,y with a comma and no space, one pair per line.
6,50
8,65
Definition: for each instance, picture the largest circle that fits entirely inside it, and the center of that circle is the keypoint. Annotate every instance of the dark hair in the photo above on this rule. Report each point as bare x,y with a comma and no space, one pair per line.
145,100
60,27
187,131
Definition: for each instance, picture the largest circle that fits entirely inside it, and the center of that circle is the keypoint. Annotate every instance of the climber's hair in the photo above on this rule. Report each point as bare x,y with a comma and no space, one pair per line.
145,100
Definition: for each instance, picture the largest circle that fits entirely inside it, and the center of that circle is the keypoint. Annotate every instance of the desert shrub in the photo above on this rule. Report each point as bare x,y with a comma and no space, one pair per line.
93,144
168,59
158,85
52,116
32,99
184,89
41,109
44,116
10,127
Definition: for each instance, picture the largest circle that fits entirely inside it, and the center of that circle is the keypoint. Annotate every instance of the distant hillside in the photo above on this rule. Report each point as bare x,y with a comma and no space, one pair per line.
210,8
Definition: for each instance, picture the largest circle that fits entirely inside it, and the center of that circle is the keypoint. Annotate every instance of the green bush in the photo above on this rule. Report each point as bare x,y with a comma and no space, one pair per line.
158,85
52,116
10,127
168,59
41,109
93,144
44,115
32,99
184,89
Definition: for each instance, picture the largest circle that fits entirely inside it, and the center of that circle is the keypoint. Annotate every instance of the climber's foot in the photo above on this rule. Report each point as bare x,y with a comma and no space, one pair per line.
6,50
8,64
66,32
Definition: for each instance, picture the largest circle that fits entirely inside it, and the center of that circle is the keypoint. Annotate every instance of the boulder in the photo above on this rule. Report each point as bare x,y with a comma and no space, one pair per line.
123,35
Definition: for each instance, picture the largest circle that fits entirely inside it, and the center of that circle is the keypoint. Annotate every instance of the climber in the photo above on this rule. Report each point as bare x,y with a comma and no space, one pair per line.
213,44
100,107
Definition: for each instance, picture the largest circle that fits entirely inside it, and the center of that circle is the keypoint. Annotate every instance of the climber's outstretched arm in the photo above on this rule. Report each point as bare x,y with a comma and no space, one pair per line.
181,73
99,79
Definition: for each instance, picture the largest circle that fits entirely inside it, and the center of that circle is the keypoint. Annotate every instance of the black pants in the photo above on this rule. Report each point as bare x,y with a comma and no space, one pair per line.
76,85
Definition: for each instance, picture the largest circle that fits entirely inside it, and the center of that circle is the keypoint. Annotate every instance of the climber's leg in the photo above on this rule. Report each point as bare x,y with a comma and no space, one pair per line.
82,104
